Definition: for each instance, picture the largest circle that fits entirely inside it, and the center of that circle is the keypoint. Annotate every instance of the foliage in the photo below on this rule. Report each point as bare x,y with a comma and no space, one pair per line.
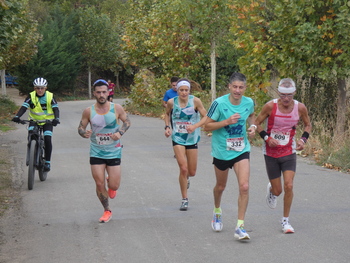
174,38
99,39
314,41
18,34
7,110
147,93
58,58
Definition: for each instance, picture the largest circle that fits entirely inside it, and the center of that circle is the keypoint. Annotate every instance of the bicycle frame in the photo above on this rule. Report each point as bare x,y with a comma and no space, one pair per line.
35,158
37,135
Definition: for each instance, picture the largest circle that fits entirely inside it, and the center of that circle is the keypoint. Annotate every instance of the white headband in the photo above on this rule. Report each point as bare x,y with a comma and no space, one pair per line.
183,83
286,90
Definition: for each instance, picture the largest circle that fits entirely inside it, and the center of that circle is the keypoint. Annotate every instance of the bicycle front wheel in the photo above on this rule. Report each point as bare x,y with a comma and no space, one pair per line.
31,167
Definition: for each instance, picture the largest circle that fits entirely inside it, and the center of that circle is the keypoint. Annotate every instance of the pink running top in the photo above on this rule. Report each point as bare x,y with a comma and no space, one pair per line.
282,127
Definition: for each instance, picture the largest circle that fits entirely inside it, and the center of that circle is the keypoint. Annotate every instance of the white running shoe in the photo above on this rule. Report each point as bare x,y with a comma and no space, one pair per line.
287,228
216,224
271,199
241,234
184,204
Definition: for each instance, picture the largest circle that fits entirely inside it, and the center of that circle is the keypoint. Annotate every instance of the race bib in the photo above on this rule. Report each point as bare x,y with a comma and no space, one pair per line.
181,127
235,144
282,137
104,139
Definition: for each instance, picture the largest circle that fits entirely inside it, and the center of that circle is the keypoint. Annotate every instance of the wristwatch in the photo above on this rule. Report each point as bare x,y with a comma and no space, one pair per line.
266,137
121,133
166,127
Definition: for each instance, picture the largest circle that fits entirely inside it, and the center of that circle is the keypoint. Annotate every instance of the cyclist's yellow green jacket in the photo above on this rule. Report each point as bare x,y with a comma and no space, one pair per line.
38,113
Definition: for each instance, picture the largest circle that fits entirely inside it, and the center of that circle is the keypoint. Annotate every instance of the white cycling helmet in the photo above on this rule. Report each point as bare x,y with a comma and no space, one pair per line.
40,82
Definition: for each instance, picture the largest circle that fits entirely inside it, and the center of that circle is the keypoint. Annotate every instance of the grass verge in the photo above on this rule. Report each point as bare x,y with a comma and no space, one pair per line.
7,191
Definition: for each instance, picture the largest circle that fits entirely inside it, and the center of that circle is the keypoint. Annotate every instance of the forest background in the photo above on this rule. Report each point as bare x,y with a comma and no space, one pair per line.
139,45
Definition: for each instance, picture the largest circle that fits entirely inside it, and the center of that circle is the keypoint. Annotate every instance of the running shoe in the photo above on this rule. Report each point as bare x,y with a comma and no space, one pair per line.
271,199
188,183
47,167
241,234
216,224
287,228
112,193
107,215
184,205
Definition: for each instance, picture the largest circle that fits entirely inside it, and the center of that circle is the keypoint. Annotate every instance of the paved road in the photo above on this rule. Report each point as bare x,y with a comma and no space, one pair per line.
58,220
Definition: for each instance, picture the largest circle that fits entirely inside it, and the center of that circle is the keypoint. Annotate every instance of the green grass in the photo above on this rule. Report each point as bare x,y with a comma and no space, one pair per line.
7,110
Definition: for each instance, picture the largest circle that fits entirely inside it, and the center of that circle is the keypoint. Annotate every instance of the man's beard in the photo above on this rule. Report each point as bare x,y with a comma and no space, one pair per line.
101,102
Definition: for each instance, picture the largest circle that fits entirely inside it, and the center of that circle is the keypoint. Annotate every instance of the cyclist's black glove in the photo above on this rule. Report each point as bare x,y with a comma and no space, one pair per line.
55,122
16,119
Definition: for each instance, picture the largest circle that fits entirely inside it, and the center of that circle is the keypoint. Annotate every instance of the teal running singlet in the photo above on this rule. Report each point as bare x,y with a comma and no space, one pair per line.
230,141
103,126
181,117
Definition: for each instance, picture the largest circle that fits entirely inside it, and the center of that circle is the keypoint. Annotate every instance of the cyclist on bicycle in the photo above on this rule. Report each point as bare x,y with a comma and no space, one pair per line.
43,106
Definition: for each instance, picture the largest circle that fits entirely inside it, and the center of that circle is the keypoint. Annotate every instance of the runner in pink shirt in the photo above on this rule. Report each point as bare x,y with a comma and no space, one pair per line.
280,145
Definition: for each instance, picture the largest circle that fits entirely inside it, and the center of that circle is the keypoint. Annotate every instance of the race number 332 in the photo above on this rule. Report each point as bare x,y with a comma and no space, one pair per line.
235,144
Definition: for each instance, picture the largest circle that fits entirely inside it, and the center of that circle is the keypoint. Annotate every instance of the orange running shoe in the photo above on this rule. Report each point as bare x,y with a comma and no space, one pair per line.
111,193
107,215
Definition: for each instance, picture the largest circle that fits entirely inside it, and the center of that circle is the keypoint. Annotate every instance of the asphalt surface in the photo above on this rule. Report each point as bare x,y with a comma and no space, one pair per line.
57,221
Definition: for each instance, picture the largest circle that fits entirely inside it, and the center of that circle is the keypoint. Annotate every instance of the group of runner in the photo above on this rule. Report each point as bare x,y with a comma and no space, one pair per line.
226,118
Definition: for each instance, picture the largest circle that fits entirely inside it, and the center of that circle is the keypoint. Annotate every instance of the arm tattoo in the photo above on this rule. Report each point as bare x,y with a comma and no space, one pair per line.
81,130
126,124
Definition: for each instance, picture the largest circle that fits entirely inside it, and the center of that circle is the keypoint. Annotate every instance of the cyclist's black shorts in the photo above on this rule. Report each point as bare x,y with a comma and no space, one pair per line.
108,162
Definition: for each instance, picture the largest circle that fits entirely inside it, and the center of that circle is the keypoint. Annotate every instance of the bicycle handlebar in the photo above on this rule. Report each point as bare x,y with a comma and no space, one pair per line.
35,121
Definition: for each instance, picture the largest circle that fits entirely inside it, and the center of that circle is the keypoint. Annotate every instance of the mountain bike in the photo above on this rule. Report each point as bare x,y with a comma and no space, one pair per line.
35,159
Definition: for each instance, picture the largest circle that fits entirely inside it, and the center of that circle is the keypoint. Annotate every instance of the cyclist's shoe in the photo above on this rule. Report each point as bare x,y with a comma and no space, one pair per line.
271,199
287,228
188,183
112,193
241,234
107,215
47,167
184,204
216,224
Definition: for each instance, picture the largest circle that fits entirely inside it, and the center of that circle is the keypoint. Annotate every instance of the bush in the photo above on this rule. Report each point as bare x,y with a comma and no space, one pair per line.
7,111
147,93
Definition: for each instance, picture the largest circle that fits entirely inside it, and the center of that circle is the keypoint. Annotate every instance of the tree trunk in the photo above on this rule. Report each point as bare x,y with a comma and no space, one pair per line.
89,84
117,82
341,108
3,81
213,71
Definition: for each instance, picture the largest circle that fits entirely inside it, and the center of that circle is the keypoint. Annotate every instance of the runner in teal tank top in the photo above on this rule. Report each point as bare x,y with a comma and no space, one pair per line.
181,118
105,146
183,113
103,126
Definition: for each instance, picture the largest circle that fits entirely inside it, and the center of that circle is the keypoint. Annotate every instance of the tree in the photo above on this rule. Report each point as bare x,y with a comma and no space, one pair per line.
100,42
58,58
300,38
177,37
18,36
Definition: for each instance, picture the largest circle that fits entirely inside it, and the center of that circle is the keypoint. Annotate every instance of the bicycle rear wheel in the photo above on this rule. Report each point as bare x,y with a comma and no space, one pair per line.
31,167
